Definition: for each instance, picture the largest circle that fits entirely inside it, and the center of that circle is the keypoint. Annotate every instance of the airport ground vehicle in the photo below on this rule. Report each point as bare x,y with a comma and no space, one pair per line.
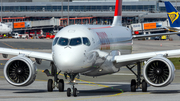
1,36
157,38
4,29
49,35
42,36
20,36
164,37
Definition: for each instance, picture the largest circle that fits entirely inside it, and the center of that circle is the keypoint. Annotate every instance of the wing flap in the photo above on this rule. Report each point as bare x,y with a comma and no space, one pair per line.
33,54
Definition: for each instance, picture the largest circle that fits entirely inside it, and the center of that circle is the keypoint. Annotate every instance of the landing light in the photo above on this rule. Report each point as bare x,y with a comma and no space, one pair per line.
100,70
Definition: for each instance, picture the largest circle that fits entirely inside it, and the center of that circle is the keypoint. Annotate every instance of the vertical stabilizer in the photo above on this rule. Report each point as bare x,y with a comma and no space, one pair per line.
118,14
172,14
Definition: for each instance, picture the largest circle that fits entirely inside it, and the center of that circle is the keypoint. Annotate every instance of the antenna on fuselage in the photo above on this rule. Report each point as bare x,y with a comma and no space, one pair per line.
118,14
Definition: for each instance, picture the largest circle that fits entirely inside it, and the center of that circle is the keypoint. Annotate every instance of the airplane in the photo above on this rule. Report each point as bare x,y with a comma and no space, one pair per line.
173,16
4,29
92,50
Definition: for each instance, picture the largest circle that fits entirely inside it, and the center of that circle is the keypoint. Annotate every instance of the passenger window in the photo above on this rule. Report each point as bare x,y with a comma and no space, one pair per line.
86,41
63,41
75,42
55,41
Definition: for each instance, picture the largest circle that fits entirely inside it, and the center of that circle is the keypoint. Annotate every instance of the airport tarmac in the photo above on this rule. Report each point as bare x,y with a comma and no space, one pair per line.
114,87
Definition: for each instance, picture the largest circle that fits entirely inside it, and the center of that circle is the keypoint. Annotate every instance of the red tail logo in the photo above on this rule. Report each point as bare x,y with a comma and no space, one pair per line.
118,8
117,14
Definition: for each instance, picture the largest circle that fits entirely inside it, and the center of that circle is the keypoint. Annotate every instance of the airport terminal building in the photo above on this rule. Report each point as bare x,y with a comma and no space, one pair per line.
55,12
133,10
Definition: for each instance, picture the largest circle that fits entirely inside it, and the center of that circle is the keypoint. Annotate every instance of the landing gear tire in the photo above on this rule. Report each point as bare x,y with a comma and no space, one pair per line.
133,85
61,85
68,92
75,92
144,86
49,85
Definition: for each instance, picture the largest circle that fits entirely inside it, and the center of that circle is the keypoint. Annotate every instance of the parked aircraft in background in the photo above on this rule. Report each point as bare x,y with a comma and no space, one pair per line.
92,50
173,16
4,29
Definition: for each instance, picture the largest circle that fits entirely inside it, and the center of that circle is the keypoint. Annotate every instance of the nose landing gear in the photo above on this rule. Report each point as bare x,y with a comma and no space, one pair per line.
72,90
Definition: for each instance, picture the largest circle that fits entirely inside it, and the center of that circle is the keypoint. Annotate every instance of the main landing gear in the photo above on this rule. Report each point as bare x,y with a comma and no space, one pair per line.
139,83
59,83
72,90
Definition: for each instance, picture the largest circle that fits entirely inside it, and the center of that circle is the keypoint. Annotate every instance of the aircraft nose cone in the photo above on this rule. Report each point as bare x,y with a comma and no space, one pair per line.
70,61
66,63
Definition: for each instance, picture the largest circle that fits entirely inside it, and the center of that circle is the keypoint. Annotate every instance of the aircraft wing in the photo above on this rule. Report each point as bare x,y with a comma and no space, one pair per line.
131,58
153,35
33,54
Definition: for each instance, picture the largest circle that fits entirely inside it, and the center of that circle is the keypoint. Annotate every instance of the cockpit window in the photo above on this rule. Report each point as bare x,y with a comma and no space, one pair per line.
63,41
86,41
75,42
55,41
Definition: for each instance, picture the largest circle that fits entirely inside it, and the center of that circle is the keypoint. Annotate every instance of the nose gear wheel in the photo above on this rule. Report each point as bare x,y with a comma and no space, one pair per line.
72,90
69,92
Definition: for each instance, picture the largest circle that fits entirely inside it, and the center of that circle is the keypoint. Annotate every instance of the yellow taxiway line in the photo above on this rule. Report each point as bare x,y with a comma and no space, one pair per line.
7,45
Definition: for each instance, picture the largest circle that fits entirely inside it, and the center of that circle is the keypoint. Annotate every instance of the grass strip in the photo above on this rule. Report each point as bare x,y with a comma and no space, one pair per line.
176,62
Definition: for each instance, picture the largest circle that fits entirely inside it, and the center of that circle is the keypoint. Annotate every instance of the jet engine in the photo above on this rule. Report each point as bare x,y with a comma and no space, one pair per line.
159,71
20,71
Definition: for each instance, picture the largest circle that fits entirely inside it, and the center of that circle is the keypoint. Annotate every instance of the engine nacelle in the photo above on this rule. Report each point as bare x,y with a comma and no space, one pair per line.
20,71
159,71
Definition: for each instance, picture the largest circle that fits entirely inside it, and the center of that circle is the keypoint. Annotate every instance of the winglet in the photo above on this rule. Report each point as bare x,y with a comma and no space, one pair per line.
118,14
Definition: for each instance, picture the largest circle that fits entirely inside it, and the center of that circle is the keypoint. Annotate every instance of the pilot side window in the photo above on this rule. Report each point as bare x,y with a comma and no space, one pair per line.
63,41
86,41
75,42
55,41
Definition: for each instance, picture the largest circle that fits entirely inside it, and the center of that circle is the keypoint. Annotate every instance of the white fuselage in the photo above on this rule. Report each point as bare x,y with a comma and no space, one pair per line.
83,57
4,29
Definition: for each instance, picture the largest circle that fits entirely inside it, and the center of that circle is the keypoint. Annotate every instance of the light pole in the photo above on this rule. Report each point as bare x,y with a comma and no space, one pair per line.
68,12
1,11
62,9
176,4
61,22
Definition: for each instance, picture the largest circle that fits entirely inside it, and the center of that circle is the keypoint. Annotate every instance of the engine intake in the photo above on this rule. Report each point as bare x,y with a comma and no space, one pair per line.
20,71
159,71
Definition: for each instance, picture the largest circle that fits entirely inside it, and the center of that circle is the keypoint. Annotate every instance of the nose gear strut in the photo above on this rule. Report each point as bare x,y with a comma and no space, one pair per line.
72,90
